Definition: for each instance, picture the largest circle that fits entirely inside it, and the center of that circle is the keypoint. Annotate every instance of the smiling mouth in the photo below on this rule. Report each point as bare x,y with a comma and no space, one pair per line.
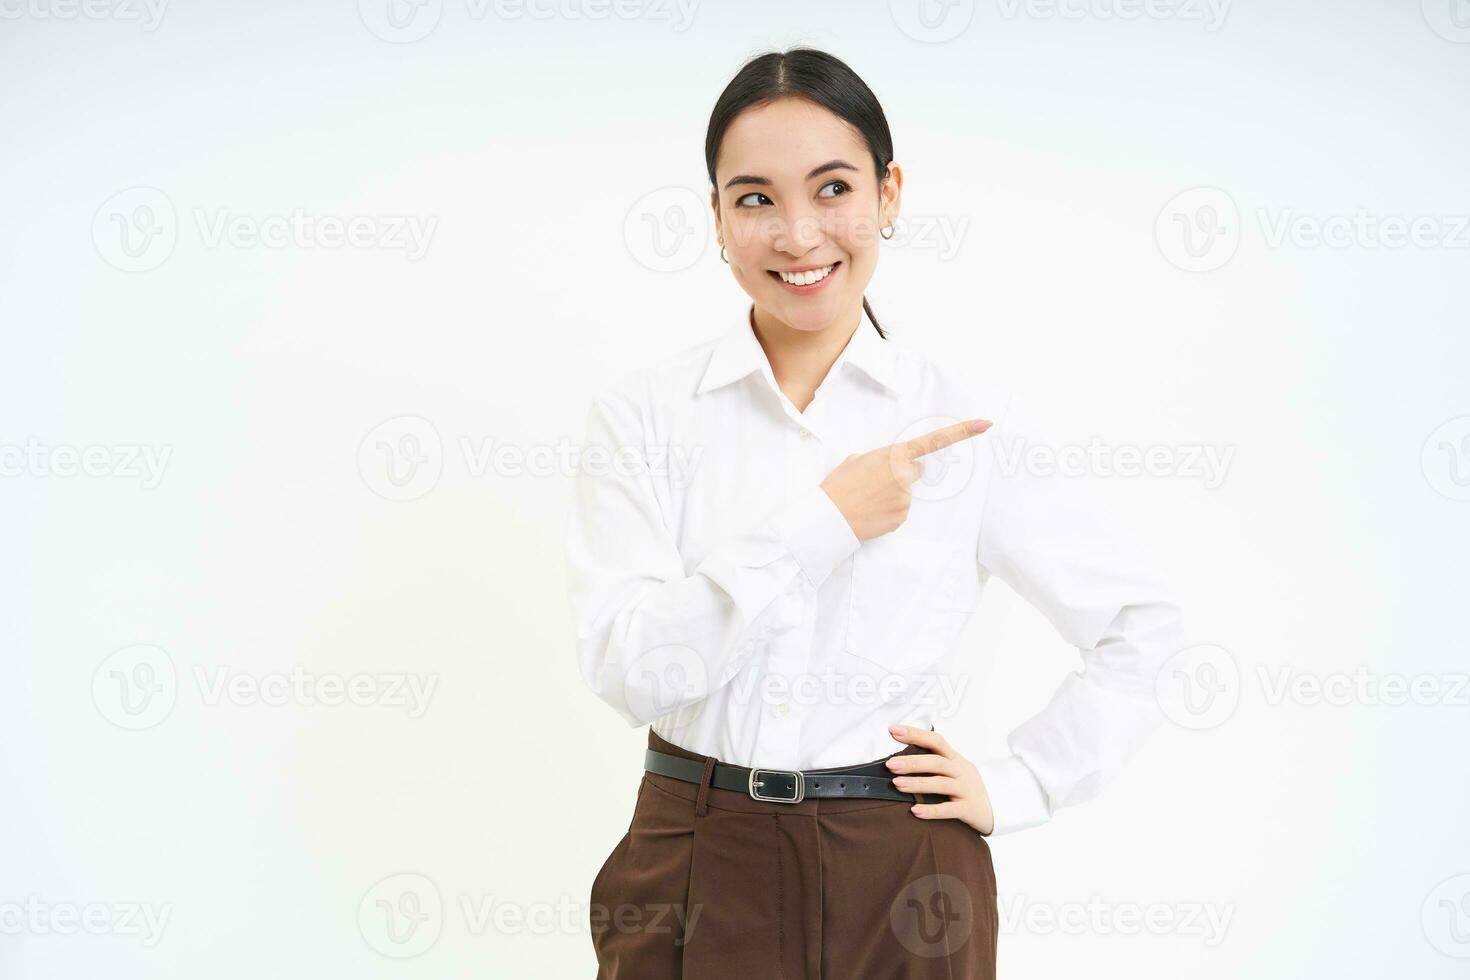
803,280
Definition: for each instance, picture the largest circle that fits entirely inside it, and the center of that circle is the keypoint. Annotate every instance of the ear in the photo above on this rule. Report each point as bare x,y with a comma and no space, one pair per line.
714,203
890,194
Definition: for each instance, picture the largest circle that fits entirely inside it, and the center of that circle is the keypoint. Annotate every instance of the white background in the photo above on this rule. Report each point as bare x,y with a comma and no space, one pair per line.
1048,143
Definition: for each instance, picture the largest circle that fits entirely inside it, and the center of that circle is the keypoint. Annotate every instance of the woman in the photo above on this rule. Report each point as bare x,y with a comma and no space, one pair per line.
777,537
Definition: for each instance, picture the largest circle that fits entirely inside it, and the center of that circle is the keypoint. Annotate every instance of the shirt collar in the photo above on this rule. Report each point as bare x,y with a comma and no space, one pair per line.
738,353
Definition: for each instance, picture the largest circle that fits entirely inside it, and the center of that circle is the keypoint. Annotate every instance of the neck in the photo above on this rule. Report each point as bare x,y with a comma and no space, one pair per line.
800,359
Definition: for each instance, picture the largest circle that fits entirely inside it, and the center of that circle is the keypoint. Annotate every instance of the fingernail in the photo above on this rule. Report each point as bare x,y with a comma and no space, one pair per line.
979,425
896,729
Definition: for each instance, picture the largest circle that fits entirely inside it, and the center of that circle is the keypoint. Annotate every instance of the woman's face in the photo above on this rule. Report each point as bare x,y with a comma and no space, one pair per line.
796,190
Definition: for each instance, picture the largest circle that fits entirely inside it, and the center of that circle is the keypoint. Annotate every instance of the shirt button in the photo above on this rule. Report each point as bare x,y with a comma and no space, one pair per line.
807,434
782,710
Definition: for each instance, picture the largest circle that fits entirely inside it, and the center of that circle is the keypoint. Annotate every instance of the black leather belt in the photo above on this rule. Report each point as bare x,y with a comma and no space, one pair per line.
872,781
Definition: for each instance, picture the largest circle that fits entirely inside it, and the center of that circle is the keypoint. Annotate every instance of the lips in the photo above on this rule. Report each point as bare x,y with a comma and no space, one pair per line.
811,287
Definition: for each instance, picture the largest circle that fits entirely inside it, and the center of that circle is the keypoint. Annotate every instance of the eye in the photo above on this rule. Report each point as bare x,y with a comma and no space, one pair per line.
835,183
740,201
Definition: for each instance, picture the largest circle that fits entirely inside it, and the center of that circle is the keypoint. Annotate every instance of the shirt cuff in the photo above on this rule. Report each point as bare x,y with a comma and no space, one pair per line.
1016,797
815,532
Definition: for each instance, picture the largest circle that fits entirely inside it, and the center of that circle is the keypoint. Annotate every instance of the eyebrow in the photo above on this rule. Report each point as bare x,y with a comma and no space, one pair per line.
765,182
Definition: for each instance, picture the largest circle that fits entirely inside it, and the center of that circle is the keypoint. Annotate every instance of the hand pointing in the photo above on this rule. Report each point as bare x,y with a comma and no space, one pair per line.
872,488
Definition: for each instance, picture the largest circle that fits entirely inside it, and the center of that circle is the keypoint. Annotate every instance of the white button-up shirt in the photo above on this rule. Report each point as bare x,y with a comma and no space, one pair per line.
720,595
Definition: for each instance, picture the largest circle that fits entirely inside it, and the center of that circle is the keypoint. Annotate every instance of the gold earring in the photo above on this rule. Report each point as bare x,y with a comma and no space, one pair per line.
889,229
722,253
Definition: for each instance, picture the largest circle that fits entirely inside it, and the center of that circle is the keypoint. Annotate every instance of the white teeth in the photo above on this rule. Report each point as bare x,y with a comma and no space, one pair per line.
807,278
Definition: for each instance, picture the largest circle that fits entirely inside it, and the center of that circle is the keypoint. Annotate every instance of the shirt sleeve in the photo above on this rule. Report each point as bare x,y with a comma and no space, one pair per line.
1047,536
649,637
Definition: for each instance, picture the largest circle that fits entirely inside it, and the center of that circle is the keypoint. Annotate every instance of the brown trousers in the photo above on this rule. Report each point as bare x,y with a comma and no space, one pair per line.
709,883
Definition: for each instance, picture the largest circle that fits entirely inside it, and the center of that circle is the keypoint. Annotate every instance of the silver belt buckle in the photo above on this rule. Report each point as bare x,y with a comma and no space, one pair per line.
791,777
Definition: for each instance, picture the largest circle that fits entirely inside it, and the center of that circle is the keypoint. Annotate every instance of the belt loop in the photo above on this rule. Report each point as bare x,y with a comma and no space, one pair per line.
701,802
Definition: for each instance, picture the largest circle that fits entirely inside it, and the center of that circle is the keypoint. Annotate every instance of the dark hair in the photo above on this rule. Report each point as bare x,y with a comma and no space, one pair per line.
818,77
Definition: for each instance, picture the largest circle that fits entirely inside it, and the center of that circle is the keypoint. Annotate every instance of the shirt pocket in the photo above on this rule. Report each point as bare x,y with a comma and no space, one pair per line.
911,596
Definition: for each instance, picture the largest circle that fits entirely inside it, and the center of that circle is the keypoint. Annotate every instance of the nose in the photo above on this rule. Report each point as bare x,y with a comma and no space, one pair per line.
798,232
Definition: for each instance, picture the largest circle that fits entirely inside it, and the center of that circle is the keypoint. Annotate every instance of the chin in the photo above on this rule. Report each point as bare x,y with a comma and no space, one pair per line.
808,316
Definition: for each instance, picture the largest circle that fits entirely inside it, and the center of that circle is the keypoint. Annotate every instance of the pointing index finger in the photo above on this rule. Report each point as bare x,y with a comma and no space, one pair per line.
943,436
